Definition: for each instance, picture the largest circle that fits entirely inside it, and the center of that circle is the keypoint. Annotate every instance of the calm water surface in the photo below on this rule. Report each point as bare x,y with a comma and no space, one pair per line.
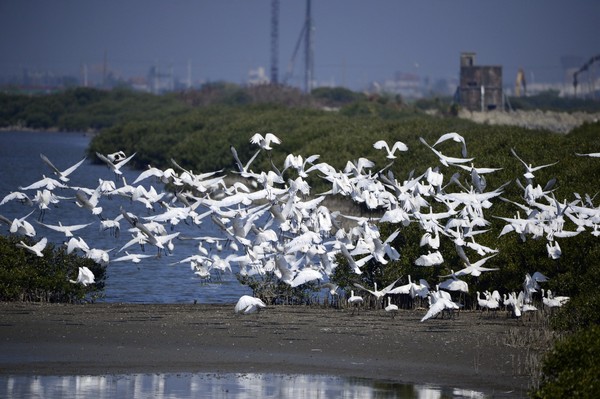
151,281
230,386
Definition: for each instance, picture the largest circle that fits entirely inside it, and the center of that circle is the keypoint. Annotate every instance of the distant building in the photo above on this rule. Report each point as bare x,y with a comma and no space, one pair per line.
480,87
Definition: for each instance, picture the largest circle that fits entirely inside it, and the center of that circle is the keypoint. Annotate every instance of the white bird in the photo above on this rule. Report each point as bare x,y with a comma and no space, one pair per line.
89,203
554,251
413,289
515,303
46,182
306,275
67,230
62,175
135,258
21,226
354,265
77,243
243,169
445,160
85,277
100,256
17,195
355,301
398,146
474,269
490,302
439,303
456,138
431,259
454,284
378,294
265,142
115,167
391,308
116,156
591,155
529,168
553,302
248,304
36,249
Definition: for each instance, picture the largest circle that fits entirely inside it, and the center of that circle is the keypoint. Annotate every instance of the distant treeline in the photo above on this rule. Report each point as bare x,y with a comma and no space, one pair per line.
83,109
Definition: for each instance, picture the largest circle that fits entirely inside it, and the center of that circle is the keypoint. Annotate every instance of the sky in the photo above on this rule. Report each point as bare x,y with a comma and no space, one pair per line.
355,41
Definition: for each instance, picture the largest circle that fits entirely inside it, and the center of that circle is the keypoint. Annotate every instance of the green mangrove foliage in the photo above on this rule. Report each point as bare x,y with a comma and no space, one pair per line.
571,369
27,277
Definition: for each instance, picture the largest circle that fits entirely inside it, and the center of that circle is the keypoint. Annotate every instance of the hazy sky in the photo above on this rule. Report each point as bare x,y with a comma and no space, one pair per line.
355,41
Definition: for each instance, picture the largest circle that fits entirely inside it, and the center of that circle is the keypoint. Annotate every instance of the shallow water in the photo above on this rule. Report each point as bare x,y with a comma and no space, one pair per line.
230,386
154,280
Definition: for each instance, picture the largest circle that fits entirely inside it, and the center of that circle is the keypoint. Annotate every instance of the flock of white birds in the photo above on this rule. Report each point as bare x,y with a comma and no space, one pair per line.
271,222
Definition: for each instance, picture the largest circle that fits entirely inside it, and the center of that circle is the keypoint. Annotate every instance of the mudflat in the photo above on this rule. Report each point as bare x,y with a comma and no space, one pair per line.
487,353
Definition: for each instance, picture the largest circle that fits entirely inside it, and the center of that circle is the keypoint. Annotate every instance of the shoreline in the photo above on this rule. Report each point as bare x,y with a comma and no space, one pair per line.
481,353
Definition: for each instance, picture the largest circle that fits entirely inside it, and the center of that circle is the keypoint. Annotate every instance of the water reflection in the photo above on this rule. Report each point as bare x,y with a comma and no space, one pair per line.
238,386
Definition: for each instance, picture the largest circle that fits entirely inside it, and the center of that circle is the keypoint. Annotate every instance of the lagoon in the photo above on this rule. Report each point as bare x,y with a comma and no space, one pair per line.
154,280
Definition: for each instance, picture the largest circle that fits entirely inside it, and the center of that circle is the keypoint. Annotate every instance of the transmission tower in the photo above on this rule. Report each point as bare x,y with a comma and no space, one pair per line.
274,42
308,49
306,37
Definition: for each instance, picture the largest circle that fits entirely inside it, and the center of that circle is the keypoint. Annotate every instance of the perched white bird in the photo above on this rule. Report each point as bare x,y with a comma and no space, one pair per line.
551,301
248,304
398,146
391,308
355,301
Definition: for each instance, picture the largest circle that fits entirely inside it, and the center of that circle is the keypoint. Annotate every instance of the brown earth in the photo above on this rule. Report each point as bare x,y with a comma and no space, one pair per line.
492,354
558,122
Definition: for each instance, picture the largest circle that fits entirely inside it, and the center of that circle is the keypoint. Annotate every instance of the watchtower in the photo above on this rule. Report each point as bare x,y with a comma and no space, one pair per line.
480,87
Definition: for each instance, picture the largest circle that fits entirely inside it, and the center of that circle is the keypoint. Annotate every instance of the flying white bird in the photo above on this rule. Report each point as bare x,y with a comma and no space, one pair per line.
265,142
62,175
591,155
398,146
67,230
454,137
135,258
115,167
20,225
36,249
445,160
431,259
529,169
85,277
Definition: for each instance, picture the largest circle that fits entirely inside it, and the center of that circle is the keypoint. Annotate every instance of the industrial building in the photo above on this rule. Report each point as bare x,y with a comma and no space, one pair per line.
480,87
